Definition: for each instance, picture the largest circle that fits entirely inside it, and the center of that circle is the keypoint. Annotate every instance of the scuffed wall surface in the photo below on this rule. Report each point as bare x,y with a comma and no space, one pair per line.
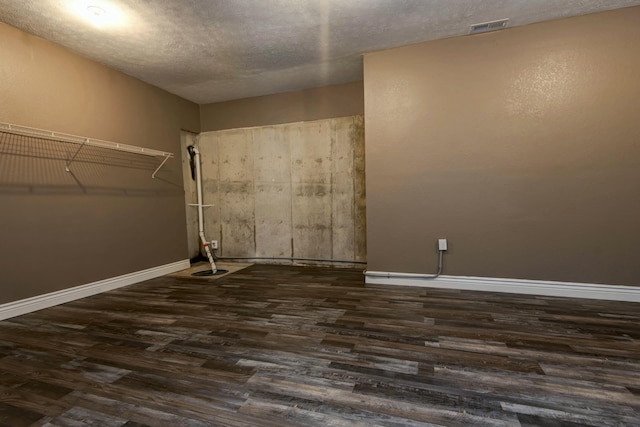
292,190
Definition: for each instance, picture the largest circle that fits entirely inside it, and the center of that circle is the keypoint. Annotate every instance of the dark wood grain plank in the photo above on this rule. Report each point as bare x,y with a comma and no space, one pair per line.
292,346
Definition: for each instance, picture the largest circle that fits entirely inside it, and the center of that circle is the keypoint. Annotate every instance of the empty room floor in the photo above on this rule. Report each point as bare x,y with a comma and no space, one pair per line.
282,345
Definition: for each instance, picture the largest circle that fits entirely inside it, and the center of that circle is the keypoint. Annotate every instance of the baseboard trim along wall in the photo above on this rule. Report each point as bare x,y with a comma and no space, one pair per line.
516,286
28,305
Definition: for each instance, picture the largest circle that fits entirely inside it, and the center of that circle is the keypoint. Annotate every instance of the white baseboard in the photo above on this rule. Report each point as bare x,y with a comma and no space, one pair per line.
28,305
516,286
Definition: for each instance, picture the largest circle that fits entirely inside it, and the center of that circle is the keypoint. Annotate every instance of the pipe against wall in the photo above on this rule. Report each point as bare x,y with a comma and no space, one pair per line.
195,153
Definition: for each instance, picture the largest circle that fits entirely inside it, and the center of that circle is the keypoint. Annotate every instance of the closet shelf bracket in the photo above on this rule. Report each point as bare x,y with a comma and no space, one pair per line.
75,154
166,157
84,141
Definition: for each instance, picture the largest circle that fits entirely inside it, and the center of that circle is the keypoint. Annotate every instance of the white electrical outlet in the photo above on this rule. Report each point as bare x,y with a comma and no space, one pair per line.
214,244
442,244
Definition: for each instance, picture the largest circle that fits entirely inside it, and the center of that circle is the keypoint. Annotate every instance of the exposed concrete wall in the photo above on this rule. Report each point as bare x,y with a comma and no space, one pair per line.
292,190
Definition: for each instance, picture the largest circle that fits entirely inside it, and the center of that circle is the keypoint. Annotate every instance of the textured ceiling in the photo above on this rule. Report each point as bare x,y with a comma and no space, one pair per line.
214,50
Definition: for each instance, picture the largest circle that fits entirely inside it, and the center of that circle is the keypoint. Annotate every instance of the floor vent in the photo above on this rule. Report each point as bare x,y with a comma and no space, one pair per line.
489,26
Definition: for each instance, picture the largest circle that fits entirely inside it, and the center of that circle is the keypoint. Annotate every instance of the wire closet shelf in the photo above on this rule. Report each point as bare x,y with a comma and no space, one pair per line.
84,141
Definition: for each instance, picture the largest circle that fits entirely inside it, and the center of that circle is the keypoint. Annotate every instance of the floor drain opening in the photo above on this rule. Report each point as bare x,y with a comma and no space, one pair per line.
209,273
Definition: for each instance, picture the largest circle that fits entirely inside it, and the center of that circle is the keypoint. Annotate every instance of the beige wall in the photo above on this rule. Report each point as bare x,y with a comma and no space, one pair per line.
305,105
519,146
112,218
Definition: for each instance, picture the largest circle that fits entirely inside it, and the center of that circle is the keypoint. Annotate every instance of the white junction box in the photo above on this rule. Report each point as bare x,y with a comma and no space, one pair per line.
442,244
214,244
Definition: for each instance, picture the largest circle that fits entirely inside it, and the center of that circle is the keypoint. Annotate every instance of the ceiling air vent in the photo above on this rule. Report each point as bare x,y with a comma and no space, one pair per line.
489,26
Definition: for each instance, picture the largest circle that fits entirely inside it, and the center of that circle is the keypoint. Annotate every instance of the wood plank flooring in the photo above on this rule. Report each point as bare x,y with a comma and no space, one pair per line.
301,346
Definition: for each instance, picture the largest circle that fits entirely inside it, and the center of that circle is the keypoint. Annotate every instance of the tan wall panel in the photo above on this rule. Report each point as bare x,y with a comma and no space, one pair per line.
304,105
112,218
519,146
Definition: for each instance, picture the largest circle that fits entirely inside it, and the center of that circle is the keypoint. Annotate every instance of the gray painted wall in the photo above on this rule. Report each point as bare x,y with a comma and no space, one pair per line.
291,190
519,146
112,219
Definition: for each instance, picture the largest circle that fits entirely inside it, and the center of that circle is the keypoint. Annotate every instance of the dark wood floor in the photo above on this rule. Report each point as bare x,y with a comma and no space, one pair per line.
283,346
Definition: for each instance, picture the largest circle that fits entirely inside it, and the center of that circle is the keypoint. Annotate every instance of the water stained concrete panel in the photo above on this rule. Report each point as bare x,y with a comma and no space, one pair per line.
311,220
343,151
273,219
343,189
237,237
343,245
292,190
272,174
272,156
311,151
360,192
235,151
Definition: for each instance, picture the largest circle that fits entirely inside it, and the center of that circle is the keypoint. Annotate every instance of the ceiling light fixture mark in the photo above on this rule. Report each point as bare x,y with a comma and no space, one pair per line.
483,27
100,13
96,10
